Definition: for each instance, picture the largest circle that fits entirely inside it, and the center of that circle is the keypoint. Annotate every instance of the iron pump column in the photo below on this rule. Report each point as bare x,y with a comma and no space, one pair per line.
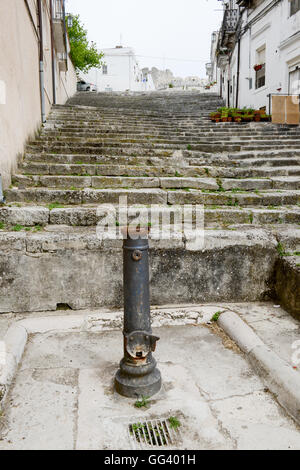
138,375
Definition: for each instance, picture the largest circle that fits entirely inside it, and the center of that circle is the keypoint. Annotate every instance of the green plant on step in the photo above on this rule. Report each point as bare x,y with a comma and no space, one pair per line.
143,402
281,250
189,147
2,225
17,228
174,423
216,317
220,184
55,205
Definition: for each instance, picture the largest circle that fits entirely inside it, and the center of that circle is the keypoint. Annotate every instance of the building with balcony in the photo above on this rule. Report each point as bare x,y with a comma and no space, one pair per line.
35,72
258,51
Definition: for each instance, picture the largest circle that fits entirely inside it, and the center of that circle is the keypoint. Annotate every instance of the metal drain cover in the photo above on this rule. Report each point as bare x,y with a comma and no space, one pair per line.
154,433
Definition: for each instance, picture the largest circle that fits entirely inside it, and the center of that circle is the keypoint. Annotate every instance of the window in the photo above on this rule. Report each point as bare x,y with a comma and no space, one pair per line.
260,77
294,81
295,6
104,69
260,72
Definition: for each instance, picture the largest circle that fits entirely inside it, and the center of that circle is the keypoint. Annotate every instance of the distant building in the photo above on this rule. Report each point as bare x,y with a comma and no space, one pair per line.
257,51
165,79
120,72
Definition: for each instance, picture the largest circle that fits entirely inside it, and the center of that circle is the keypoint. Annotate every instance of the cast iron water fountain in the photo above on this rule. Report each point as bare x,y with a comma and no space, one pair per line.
137,375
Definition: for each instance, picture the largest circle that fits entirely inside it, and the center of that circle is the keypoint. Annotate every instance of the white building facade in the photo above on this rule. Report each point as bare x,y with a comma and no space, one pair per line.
120,72
258,51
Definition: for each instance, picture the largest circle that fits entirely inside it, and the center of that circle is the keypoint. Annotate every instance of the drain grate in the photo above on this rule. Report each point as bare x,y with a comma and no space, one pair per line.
154,433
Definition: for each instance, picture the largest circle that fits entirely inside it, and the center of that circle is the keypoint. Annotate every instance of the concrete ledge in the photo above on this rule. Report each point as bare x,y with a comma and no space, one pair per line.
276,374
38,271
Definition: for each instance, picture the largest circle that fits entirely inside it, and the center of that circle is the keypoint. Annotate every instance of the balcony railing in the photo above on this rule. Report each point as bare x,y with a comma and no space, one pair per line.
59,26
230,20
58,9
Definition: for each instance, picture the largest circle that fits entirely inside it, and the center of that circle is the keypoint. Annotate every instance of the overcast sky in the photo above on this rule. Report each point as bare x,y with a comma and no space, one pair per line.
174,29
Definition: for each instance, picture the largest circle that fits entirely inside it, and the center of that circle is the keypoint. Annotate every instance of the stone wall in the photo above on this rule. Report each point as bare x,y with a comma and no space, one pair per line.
39,271
20,105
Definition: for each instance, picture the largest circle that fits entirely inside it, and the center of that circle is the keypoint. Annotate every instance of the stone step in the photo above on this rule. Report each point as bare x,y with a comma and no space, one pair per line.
158,158
152,159
32,216
244,163
34,168
106,182
105,132
176,140
209,147
155,196
290,154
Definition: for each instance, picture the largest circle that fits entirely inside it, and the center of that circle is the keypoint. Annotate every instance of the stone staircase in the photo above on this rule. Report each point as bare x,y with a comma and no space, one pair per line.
156,149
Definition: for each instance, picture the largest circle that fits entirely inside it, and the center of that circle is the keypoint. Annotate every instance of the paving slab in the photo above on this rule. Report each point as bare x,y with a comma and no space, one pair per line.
63,396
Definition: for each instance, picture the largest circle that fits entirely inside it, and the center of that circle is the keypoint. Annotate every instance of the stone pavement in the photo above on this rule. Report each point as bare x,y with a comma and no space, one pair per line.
62,396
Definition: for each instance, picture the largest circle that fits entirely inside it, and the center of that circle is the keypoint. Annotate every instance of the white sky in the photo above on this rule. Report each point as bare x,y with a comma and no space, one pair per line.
174,29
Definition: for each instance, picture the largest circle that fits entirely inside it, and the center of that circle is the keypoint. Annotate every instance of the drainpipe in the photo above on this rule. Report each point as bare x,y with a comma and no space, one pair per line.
2,198
238,73
41,67
52,54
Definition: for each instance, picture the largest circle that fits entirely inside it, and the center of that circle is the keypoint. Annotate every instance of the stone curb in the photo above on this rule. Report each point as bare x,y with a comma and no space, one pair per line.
14,341
276,374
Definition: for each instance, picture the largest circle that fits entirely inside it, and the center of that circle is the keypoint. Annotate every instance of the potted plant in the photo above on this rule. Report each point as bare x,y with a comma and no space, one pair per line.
257,67
248,117
237,117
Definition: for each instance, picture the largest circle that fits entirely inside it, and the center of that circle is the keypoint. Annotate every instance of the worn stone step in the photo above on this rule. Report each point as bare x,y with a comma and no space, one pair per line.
93,170
155,196
55,214
96,133
87,196
243,163
67,182
35,168
227,198
152,159
266,154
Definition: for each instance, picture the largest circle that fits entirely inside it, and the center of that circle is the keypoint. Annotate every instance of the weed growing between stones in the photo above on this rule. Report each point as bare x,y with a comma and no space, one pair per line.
142,402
